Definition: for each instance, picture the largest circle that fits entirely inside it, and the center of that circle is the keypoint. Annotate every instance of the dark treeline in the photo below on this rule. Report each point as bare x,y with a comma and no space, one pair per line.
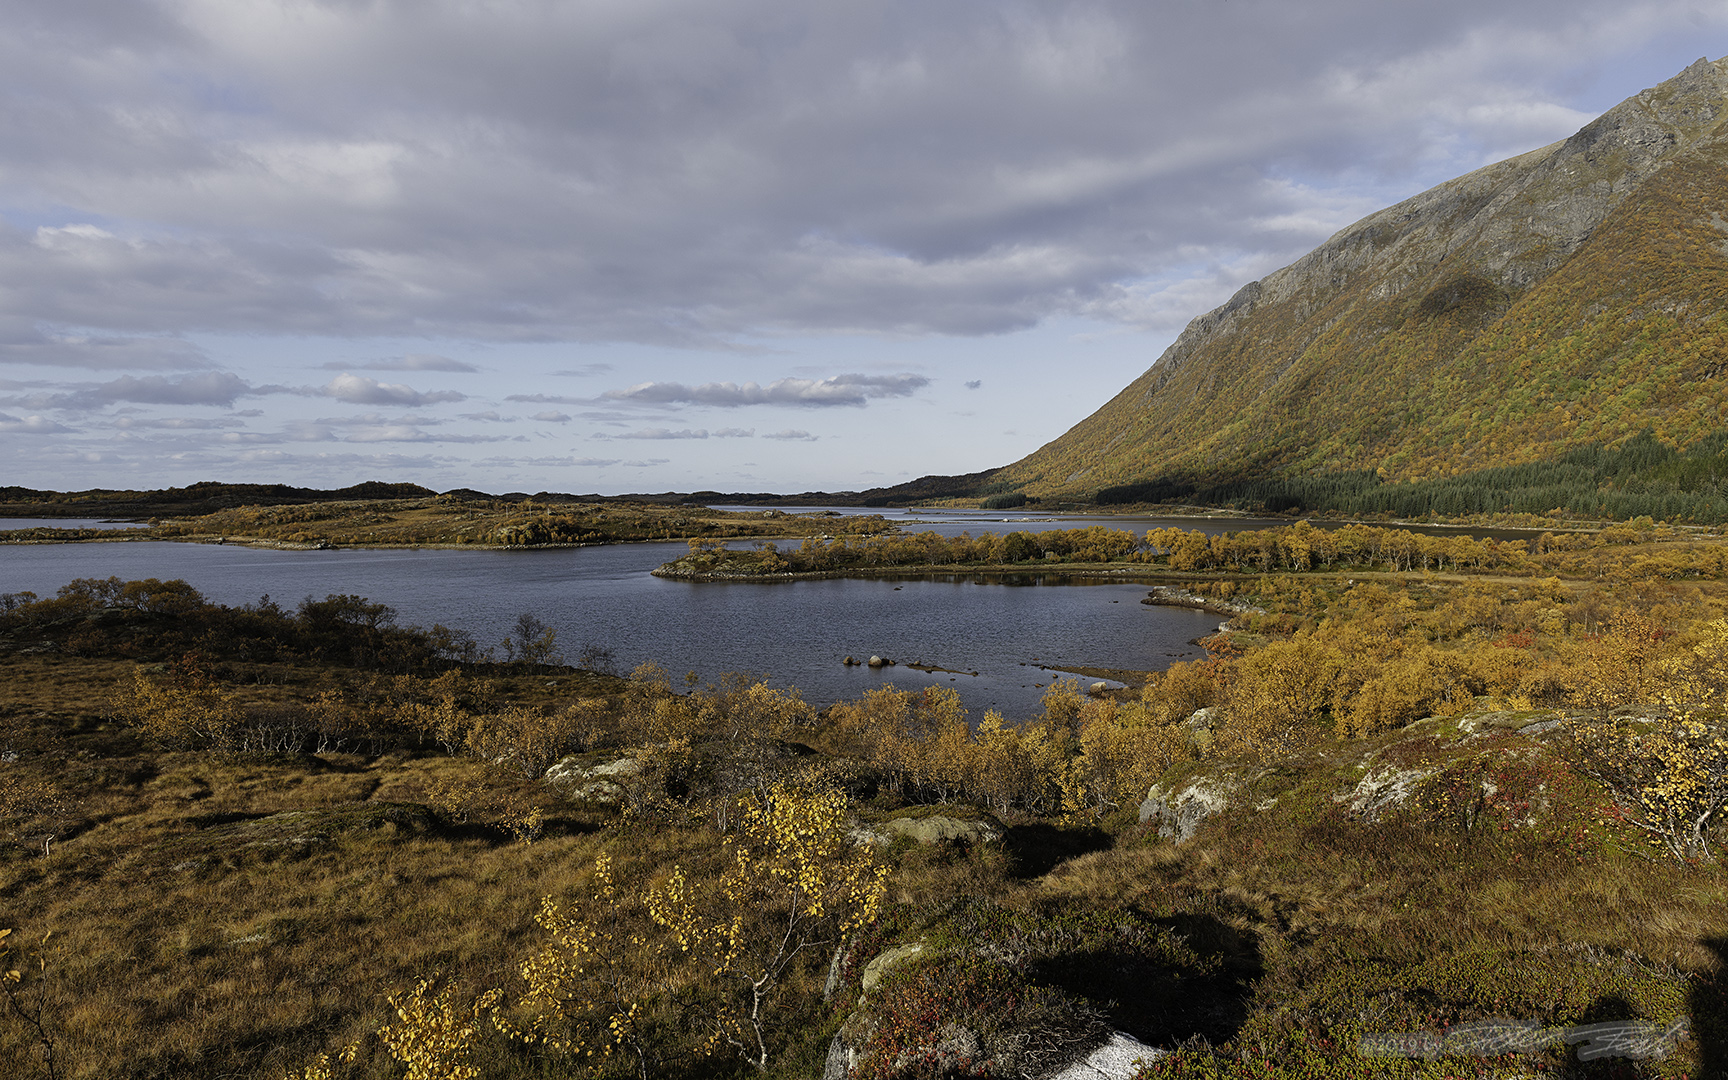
201,498
1643,477
154,619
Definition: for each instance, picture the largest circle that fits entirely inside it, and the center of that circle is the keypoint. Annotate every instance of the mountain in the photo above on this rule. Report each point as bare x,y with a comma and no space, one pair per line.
1572,297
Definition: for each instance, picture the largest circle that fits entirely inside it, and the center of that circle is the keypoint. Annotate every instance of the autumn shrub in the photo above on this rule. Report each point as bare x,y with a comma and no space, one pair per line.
432,1035
24,988
1016,766
1617,668
1670,772
1185,687
522,738
1419,681
599,981
1278,693
182,707
1122,749
795,885
744,706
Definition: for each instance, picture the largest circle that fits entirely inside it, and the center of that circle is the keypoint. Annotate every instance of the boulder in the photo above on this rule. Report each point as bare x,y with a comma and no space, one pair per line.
1179,811
1118,1059
1202,719
595,783
875,969
1199,725
939,828
1383,789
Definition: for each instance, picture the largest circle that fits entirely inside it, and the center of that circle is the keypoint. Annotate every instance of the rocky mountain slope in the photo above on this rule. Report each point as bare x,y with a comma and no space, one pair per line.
1572,295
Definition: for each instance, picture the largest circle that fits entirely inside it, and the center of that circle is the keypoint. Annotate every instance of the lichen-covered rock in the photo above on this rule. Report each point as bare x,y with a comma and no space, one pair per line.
935,829
1118,1059
1179,811
1382,789
939,828
595,783
875,969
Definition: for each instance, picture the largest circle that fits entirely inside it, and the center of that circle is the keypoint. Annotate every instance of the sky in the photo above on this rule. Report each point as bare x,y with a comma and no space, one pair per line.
674,245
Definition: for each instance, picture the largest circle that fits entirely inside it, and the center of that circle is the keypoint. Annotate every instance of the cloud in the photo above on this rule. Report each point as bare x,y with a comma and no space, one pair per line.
372,428
548,399
793,435
22,342
686,433
410,362
550,417
584,371
206,388
410,433
852,390
175,423
682,173
663,433
973,384
360,390
30,425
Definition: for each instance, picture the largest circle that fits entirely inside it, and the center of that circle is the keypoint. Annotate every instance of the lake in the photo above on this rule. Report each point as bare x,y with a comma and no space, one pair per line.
796,631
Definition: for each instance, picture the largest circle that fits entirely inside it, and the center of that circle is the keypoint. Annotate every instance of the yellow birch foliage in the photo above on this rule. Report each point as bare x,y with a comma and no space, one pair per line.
796,883
1618,668
1690,785
431,1035
1670,772
1123,749
1278,692
440,716
589,988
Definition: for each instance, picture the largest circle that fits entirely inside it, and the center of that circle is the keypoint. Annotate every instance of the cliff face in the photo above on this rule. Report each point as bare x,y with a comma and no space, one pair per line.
1577,293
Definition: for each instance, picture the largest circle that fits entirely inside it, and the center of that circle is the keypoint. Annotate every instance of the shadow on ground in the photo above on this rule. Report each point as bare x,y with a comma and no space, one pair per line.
1161,1005
1035,850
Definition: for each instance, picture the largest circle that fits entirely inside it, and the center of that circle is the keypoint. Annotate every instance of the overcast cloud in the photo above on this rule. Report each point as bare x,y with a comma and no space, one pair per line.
715,206
839,390
360,390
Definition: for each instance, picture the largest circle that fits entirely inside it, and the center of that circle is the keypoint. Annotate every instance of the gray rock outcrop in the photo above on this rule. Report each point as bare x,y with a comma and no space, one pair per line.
1179,811
593,783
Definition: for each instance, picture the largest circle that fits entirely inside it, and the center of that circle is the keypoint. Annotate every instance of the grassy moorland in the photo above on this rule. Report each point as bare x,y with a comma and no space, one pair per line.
1414,788
458,519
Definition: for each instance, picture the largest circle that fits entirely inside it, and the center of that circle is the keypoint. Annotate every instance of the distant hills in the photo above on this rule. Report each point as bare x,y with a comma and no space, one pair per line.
1547,332
194,499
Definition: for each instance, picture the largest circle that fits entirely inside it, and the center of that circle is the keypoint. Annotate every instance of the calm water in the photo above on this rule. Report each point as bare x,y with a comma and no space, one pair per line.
795,631
64,523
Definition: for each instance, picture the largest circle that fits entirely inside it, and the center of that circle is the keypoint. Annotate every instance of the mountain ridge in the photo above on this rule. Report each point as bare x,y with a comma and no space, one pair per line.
1569,295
